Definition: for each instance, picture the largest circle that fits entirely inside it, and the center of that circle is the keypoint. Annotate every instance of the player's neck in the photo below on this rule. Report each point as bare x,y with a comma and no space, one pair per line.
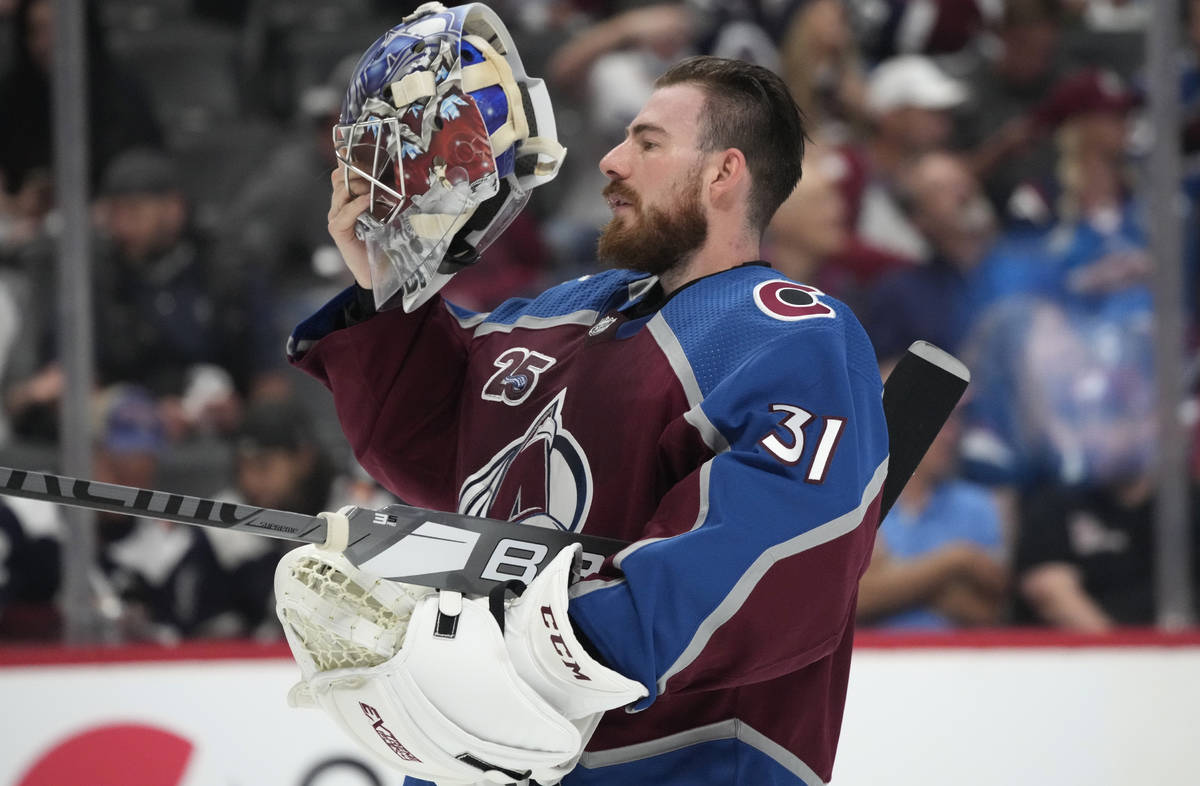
720,251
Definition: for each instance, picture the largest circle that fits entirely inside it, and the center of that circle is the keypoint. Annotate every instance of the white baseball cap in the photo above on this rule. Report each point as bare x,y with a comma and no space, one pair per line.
911,80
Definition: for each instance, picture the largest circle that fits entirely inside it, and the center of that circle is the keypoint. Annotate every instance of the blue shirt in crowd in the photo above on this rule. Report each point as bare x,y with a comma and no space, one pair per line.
957,511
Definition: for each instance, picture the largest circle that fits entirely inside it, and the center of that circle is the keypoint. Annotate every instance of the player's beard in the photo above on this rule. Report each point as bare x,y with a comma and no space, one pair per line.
654,240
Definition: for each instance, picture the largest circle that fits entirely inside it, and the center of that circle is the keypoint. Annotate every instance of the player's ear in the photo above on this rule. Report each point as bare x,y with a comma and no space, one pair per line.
728,175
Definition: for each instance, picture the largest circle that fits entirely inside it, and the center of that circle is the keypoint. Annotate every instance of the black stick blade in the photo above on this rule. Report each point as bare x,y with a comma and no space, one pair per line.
918,398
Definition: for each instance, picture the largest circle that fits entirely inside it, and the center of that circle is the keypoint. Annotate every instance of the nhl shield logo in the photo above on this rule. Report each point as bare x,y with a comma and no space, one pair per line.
542,477
601,326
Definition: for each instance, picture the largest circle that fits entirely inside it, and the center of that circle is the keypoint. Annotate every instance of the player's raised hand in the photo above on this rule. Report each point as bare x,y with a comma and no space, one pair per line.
345,206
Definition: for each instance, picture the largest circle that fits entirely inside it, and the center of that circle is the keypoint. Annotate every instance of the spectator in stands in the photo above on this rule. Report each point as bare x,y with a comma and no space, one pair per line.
1086,555
22,213
277,224
939,556
909,100
120,115
147,593
1004,83
665,30
177,581
943,200
810,43
823,68
30,561
809,228
278,463
1064,317
197,334
1094,249
929,27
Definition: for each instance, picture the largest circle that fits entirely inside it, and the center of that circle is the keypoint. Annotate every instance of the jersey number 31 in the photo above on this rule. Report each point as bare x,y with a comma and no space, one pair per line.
789,448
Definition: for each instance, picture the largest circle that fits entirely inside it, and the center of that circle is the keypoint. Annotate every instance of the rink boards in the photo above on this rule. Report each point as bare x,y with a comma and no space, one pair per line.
982,709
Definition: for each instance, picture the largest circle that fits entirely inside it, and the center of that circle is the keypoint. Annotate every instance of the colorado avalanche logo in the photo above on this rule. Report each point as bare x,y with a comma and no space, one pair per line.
540,478
788,301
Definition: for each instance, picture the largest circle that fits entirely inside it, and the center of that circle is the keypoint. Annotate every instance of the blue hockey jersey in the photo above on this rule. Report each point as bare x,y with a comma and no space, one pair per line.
732,431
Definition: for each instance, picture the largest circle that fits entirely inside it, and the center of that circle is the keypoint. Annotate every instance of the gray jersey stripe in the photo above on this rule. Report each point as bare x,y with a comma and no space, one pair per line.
640,287
585,317
669,343
701,514
581,588
468,322
705,479
708,432
718,445
620,556
723,730
584,587
790,761
824,533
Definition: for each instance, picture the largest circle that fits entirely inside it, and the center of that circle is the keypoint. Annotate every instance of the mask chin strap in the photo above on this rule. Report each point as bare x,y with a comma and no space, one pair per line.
462,253
543,148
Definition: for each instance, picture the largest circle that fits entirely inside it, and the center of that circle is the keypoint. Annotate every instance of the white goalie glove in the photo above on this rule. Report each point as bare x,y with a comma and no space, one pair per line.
421,678
550,658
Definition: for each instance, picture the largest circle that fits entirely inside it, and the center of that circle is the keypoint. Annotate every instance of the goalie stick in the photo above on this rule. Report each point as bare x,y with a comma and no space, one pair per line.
472,554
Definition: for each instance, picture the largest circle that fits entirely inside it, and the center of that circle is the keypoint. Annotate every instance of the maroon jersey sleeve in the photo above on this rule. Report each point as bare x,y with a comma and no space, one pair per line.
396,380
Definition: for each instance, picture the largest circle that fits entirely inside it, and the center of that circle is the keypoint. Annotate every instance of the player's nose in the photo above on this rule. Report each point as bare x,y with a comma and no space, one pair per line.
614,164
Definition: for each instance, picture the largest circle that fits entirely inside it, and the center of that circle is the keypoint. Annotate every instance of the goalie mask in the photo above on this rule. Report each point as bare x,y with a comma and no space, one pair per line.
451,135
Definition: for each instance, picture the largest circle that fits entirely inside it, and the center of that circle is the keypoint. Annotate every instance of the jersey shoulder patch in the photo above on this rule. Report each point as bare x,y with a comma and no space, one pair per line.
787,301
722,320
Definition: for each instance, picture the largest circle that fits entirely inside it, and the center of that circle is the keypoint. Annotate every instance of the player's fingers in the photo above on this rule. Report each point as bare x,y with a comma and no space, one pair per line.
339,196
358,184
342,220
347,187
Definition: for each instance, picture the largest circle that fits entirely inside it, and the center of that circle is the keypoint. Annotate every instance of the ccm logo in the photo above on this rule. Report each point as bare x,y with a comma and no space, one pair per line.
560,646
388,738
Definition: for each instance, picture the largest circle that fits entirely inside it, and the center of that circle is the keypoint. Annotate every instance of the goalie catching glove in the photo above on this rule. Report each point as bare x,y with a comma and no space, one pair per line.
419,677
548,655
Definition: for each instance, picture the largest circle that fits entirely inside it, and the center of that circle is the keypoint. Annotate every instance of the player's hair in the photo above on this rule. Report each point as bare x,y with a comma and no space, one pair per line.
748,107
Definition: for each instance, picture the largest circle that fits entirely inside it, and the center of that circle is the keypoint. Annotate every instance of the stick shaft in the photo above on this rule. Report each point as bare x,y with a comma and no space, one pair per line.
179,508
399,542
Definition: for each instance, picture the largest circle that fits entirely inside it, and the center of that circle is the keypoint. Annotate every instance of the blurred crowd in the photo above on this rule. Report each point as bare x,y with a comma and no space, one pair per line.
975,178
